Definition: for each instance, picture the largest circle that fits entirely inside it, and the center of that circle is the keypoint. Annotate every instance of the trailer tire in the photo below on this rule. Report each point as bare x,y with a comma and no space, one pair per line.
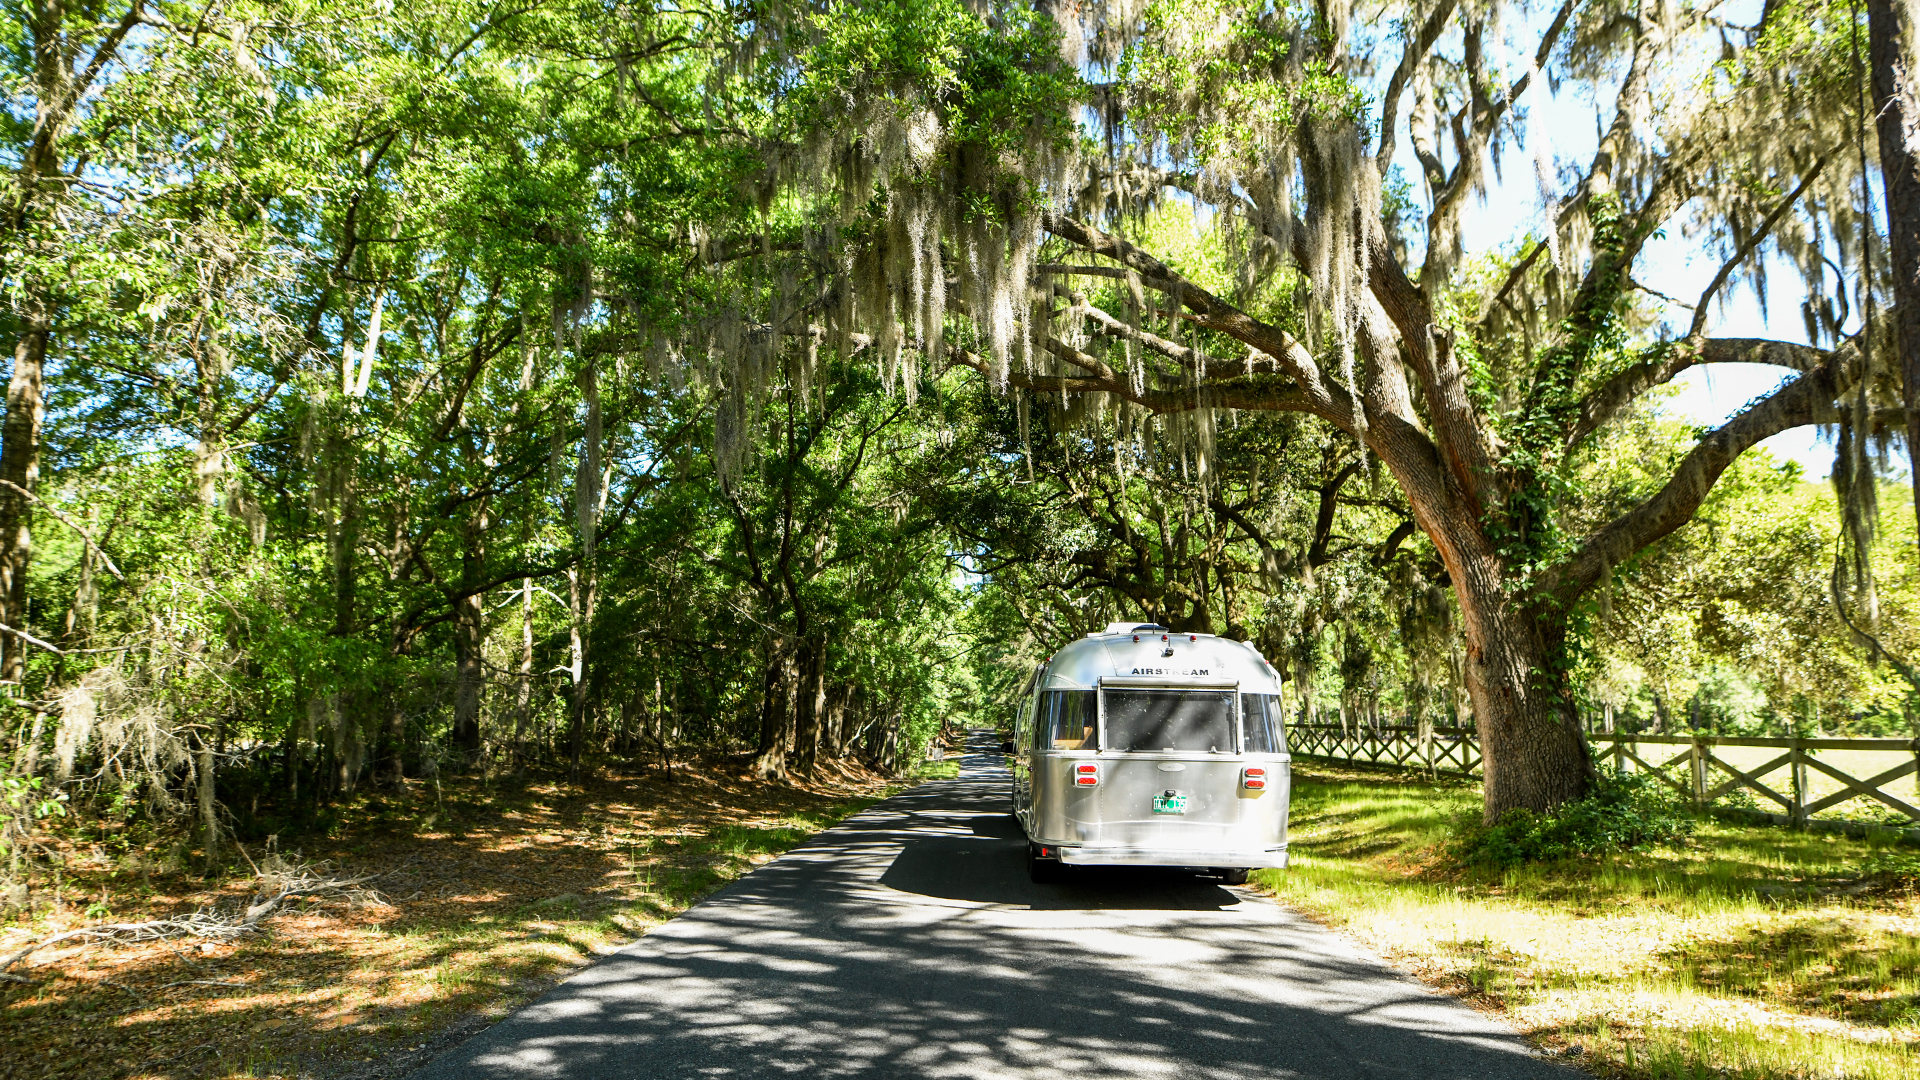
1043,871
1234,876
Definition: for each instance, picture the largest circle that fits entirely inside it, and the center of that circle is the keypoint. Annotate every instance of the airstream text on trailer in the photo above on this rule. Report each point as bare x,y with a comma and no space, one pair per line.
1141,747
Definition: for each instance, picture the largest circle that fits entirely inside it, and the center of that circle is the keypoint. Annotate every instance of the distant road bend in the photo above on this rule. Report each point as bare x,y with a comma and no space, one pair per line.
907,942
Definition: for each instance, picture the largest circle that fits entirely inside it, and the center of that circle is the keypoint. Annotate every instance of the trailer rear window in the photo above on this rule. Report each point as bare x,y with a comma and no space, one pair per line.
1170,720
1066,720
1261,720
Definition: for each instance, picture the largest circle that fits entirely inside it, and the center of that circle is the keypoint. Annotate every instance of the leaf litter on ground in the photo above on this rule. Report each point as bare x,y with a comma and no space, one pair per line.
463,904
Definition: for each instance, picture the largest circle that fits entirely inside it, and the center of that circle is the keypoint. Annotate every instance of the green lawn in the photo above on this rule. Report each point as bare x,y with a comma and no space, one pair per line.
1748,952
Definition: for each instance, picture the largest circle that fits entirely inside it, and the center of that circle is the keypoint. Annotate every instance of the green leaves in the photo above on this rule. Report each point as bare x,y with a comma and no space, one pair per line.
994,87
1631,811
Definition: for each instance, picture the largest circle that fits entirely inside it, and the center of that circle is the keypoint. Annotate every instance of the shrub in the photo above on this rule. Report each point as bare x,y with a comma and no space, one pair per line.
1624,812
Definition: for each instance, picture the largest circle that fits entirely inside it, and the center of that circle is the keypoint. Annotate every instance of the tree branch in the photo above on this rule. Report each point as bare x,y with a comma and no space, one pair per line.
1471,141
1608,400
1803,401
1416,53
1333,403
1747,249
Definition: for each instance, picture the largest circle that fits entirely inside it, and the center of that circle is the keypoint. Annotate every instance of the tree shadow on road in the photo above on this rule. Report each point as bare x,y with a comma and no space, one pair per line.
993,870
908,942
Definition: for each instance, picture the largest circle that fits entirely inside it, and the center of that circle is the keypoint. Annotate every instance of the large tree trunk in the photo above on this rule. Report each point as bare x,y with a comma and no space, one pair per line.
396,750
20,467
469,639
38,183
523,686
203,789
585,580
810,704
1896,105
836,727
770,756
469,636
1530,745
343,539
771,762
580,607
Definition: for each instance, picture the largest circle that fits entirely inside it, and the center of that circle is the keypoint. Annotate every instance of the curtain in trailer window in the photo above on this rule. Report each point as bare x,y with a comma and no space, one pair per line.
1262,723
1067,720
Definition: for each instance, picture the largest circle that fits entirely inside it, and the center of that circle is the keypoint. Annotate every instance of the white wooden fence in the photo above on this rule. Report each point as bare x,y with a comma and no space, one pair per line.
1699,767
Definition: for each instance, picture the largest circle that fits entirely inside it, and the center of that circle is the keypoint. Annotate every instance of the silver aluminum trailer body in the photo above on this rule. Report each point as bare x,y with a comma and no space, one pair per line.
1140,747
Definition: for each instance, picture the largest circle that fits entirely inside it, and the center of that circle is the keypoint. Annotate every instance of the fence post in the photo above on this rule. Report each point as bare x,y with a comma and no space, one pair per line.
1797,772
1699,763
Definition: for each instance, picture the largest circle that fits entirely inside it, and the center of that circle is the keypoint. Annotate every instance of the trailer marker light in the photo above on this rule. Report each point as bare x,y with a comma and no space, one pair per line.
1086,775
1253,778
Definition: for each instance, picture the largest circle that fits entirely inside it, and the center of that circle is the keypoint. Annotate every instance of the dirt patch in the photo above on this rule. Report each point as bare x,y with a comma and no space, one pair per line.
490,892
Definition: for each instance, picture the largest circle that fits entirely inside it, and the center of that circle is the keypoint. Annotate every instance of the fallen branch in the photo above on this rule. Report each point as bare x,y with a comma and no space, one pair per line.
281,881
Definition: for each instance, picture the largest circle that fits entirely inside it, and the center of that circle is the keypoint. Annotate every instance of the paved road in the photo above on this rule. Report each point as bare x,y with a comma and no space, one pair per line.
907,942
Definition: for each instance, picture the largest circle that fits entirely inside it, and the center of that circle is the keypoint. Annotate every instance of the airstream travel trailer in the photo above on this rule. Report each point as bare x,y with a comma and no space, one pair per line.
1136,746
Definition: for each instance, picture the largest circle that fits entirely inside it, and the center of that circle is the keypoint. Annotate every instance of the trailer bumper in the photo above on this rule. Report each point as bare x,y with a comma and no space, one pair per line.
1089,855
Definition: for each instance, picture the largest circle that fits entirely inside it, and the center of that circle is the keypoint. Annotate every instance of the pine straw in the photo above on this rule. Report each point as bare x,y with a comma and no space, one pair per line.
487,896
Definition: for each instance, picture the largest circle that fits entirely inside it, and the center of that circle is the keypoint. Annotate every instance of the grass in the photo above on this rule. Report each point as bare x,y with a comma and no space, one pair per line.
492,892
1748,952
946,769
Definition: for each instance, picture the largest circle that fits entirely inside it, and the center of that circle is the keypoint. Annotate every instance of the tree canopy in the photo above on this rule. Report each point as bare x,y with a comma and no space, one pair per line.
403,385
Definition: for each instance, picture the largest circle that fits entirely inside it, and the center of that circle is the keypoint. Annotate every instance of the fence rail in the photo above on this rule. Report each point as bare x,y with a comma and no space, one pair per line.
1703,770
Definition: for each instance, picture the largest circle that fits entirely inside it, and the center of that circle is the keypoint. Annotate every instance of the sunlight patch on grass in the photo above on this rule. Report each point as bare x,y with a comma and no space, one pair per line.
1756,953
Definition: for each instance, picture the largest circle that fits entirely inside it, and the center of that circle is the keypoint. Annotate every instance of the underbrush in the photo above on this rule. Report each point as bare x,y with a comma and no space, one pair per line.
1717,951
488,891
1624,812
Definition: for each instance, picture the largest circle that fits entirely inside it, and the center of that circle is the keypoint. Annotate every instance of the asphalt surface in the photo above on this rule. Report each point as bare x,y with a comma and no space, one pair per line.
908,942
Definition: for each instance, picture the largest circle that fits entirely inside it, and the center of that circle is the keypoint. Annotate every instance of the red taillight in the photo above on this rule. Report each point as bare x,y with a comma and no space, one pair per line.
1253,778
1086,775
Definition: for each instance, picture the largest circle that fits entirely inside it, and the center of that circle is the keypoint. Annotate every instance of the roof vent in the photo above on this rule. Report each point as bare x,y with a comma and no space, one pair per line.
1133,628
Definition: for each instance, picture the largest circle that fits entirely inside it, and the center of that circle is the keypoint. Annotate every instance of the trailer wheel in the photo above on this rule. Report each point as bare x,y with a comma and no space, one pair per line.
1235,876
1043,871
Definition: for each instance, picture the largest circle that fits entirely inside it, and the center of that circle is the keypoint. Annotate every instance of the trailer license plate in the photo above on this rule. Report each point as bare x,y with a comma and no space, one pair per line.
1170,802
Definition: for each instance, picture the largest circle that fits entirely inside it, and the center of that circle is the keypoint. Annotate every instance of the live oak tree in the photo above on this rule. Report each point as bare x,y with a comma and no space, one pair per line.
946,179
